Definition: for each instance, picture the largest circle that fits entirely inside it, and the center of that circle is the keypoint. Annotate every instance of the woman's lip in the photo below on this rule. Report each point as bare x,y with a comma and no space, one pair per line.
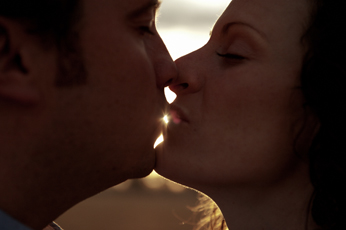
177,115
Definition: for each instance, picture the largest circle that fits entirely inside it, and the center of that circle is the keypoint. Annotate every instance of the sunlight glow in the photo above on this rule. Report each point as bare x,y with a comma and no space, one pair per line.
207,3
165,118
181,41
123,186
170,95
175,187
155,174
158,141
155,182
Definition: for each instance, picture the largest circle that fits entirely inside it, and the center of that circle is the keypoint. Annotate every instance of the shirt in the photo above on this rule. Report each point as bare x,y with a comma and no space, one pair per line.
8,223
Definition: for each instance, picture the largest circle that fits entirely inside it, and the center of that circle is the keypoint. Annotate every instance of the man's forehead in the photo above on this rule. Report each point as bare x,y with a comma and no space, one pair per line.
120,8
146,6
137,4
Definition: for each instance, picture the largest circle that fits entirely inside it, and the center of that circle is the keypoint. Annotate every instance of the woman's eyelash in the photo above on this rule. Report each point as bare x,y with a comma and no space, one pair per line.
231,56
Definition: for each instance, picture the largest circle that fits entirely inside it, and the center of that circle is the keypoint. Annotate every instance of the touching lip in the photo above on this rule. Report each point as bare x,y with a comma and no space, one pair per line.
177,115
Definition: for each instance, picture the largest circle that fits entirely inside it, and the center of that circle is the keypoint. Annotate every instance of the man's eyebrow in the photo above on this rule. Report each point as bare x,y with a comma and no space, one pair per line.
149,5
228,25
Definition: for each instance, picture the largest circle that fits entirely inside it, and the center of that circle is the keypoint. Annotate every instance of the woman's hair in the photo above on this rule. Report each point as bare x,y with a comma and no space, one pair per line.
323,76
209,213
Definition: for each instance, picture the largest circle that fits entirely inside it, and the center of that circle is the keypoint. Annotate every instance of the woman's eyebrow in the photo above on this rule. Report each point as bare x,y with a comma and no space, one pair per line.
148,6
226,27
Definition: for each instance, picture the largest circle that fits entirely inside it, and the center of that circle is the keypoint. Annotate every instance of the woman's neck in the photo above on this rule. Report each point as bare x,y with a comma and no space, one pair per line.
284,206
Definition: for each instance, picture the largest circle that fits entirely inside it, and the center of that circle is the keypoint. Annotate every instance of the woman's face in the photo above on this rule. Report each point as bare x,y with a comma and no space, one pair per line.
239,106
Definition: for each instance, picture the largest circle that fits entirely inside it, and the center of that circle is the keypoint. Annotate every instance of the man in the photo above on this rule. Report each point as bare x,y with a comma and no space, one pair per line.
81,101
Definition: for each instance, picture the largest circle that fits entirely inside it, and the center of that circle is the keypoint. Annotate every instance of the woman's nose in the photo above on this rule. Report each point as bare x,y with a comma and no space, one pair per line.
189,75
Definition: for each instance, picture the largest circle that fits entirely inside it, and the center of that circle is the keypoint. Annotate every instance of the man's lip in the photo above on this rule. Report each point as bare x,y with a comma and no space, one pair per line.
177,115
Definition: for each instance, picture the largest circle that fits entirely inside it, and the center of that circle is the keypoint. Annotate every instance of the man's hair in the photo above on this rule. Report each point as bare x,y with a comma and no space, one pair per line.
44,17
54,21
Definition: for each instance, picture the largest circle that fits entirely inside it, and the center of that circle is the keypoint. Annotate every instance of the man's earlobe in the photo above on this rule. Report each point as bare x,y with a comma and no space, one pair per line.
15,78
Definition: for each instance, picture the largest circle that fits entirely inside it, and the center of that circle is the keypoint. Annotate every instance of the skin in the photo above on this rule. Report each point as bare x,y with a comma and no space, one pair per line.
239,131
61,145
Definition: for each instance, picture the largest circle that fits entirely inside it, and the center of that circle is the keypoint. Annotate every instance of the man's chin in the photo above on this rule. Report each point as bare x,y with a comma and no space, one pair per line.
143,173
146,166
158,151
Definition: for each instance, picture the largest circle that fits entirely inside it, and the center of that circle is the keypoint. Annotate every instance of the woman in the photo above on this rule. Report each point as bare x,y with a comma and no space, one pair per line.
258,123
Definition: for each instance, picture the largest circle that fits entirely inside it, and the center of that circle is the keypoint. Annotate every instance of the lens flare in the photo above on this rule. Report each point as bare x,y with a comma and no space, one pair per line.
165,119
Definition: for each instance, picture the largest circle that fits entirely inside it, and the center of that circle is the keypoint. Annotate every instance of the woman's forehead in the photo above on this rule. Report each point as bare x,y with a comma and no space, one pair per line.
275,18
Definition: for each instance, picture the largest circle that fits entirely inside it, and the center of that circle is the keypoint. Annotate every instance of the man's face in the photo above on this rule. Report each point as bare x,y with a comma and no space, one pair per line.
110,123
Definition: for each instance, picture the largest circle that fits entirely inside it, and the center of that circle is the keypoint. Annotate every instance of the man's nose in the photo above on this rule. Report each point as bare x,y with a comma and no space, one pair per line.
165,68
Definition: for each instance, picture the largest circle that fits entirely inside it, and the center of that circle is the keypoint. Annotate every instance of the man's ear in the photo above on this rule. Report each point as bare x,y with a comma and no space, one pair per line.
16,75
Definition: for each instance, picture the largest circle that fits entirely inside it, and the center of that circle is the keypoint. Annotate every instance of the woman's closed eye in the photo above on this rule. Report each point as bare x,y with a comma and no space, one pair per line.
231,56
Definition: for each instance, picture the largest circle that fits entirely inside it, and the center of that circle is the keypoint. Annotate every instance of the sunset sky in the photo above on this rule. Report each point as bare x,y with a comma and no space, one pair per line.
184,25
